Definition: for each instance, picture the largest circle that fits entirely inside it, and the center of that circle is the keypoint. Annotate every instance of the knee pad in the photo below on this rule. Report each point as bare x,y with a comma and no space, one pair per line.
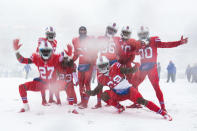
142,101
105,96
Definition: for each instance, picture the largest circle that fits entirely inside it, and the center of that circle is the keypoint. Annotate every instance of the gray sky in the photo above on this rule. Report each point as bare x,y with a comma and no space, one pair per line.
168,19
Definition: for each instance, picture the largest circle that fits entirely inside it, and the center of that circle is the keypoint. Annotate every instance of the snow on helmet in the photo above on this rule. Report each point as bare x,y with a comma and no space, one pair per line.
125,32
50,33
111,30
45,49
102,64
143,33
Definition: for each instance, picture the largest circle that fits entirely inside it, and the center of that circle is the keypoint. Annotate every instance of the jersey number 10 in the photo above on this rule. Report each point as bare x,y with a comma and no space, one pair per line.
146,53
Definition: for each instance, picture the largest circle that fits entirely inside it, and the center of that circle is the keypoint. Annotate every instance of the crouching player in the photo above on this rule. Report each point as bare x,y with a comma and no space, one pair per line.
46,62
66,73
120,89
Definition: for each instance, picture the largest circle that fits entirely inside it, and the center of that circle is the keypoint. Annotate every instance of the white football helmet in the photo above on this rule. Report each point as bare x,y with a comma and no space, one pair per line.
102,64
45,49
111,30
143,33
125,32
50,33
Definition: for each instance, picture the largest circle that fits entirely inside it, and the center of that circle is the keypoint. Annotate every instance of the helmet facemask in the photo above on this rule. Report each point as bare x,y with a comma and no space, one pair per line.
50,33
125,34
110,32
103,64
143,33
45,49
50,36
45,53
103,68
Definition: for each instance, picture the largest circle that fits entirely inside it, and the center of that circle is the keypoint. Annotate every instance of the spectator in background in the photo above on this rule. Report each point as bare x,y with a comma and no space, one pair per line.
158,69
188,73
27,68
194,73
171,72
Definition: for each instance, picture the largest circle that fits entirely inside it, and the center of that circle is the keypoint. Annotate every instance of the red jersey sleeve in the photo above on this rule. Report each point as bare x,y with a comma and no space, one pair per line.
161,44
74,42
24,60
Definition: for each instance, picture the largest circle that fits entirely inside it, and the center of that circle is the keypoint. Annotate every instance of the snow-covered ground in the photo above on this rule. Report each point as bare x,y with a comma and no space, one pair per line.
180,98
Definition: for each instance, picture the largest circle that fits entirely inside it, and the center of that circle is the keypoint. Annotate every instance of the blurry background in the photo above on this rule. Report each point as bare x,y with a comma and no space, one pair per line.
27,20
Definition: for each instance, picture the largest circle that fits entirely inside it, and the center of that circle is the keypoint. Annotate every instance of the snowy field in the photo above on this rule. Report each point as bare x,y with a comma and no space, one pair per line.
180,99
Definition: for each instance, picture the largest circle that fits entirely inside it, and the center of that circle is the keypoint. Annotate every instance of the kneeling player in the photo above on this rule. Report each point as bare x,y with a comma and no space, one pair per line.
66,73
120,88
47,62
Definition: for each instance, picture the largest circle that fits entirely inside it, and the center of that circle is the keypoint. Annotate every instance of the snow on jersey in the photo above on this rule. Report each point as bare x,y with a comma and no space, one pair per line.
111,48
53,43
82,49
115,80
127,49
47,69
149,53
65,73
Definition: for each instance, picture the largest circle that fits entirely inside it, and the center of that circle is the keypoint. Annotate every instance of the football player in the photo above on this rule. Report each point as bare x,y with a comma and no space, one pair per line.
66,73
148,58
127,49
83,50
50,36
46,62
109,50
120,89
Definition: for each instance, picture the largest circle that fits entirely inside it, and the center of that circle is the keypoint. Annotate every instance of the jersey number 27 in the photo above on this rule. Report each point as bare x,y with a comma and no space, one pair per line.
46,72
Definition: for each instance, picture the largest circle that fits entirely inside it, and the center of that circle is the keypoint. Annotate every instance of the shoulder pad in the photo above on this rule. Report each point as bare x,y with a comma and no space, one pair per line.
155,38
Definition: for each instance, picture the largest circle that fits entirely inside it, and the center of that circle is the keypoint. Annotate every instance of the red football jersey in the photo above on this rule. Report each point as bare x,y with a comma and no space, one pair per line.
148,52
47,69
84,50
66,73
127,49
110,47
115,80
53,43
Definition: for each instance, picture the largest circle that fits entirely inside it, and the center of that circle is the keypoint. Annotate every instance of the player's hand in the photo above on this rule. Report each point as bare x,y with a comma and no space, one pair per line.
16,44
90,93
135,68
69,50
184,40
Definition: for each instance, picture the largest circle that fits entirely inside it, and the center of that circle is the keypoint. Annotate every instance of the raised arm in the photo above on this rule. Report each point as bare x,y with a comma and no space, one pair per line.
76,52
171,44
94,92
19,57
